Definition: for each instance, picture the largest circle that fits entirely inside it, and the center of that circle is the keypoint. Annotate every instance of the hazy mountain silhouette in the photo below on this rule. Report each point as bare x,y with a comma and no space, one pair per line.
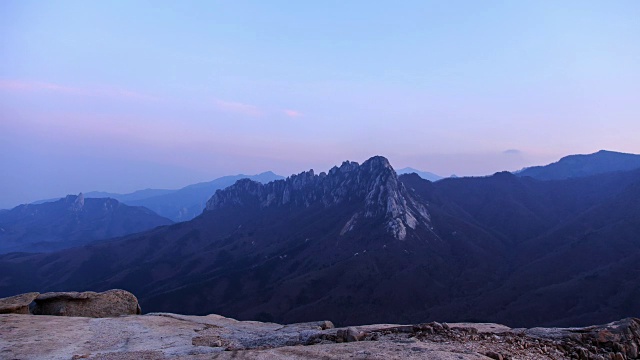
583,165
423,174
178,205
188,202
361,245
71,221
134,196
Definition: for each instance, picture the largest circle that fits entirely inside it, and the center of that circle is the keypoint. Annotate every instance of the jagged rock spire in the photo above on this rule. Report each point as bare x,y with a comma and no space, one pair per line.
76,201
374,183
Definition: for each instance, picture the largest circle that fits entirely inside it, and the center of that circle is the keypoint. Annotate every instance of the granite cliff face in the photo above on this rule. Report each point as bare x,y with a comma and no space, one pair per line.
374,184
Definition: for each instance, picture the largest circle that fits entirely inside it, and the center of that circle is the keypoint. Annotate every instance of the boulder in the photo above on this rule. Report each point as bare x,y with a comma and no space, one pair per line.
354,335
18,304
87,304
350,334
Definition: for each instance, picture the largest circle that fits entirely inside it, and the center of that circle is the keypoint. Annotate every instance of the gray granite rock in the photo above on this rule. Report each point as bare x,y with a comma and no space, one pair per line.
18,304
87,304
172,336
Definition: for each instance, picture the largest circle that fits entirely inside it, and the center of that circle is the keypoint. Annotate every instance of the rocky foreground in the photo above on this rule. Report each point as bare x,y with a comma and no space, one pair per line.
24,335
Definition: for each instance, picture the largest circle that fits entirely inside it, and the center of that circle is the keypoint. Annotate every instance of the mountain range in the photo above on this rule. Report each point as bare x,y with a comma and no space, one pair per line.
181,204
49,230
360,244
573,166
71,221
188,202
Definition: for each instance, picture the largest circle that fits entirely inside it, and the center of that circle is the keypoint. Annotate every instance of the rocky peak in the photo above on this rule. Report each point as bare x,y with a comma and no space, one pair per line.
374,184
346,167
76,202
79,200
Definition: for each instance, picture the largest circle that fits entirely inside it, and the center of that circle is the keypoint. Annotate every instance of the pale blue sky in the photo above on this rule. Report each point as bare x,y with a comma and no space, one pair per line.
123,95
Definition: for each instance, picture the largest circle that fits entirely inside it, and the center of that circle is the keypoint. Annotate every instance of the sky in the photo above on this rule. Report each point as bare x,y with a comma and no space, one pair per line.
125,95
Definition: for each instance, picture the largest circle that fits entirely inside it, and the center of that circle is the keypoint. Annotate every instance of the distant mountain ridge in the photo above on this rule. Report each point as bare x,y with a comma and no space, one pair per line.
186,203
134,196
423,174
573,166
181,204
71,221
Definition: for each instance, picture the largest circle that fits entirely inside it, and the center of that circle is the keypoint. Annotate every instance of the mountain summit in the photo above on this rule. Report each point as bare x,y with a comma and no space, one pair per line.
374,185
574,166
71,221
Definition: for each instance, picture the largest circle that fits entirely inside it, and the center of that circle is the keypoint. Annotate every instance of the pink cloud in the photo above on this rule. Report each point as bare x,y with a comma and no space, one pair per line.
292,113
237,107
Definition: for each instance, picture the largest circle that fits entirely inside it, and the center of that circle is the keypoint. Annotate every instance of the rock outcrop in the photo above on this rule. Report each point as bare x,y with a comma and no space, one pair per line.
77,202
374,184
18,304
84,304
172,336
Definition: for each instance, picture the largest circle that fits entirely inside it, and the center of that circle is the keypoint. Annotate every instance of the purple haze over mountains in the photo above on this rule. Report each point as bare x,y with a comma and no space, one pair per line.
120,96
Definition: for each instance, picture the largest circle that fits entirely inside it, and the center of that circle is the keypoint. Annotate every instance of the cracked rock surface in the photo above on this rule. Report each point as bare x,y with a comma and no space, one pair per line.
172,336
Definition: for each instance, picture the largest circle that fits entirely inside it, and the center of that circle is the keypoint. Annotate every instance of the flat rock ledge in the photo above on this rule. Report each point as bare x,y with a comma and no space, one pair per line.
86,304
171,336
